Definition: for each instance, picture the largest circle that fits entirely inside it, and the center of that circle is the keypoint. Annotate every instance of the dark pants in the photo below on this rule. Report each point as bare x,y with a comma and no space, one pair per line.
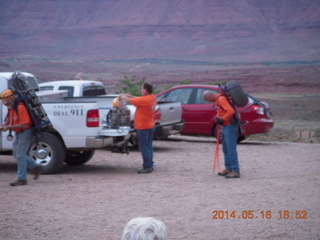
145,137
229,146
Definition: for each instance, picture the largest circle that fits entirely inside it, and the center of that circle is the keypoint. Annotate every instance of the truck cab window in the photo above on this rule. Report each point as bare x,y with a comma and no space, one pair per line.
93,91
46,88
69,89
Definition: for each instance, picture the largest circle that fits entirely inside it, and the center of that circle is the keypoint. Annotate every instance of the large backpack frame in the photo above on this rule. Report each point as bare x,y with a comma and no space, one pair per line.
236,97
24,93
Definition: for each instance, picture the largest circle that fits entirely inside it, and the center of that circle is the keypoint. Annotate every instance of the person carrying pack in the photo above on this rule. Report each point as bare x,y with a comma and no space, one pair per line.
18,120
228,118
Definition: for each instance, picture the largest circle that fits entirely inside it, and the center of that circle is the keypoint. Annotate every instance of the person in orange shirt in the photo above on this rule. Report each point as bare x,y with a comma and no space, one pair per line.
18,120
144,123
226,118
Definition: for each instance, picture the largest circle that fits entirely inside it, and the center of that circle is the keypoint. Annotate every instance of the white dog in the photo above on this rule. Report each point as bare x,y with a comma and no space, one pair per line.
145,228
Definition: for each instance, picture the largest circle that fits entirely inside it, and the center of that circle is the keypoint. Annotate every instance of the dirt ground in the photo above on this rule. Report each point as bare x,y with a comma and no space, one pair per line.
96,200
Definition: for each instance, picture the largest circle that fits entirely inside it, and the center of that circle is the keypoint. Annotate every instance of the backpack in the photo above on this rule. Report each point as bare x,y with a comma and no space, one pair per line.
24,93
234,93
236,97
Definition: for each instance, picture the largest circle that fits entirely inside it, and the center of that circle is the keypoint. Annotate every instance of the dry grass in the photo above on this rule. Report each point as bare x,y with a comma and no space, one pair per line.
296,117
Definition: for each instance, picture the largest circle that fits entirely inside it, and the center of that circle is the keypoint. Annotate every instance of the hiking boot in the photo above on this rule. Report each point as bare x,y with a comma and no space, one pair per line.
145,170
232,175
224,172
19,183
37,171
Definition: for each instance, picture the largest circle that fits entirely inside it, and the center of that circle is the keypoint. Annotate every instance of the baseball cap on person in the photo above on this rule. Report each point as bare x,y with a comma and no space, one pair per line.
6,95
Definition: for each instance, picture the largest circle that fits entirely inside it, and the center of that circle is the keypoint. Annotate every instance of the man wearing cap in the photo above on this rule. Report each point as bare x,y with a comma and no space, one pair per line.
19,121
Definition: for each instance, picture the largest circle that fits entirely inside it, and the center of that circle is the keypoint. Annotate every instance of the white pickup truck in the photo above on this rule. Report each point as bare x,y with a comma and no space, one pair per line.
75,88
168,114
78,129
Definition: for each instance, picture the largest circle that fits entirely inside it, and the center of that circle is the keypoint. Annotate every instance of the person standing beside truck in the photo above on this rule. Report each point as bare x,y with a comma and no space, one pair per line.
144,123
19,121
225,117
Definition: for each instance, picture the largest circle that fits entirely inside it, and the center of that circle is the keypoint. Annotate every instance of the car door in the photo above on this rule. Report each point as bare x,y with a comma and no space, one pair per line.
182,95
199,114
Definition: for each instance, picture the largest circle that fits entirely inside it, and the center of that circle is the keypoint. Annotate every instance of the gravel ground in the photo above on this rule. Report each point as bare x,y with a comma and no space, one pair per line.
96,200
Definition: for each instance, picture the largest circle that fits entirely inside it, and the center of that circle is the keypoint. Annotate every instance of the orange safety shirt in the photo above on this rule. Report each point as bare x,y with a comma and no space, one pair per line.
145,110
21,116
224,109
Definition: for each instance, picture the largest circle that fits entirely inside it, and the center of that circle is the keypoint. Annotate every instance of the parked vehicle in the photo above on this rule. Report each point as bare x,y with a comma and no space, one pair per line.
167,118
76,88
199,115
78,129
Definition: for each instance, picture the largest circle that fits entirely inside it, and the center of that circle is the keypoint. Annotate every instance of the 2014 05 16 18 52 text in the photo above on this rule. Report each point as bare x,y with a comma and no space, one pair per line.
262,214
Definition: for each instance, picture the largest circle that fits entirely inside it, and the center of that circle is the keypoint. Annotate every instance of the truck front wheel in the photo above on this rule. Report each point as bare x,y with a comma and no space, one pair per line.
75,158
49,151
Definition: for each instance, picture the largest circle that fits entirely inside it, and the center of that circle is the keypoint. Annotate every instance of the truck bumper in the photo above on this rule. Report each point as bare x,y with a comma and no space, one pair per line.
102,141
163,132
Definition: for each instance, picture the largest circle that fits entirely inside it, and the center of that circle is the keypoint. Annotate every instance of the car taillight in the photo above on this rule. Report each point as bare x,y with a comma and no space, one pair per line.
259,110
157,116
93,119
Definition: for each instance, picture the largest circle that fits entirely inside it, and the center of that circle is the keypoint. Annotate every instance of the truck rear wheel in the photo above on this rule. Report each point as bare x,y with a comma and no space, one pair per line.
75,158
49,152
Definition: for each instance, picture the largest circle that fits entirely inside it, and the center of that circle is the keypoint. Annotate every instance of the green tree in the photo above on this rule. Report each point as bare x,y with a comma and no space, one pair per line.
130,85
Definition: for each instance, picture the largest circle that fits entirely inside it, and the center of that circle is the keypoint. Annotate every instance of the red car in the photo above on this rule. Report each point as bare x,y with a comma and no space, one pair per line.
199,115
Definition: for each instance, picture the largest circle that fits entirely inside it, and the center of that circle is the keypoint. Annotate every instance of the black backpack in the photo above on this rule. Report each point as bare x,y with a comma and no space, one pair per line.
234,93
236,97
23,92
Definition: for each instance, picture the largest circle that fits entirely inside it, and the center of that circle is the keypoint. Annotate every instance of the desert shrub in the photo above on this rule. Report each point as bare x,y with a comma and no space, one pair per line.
130,85
185,81
317,133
